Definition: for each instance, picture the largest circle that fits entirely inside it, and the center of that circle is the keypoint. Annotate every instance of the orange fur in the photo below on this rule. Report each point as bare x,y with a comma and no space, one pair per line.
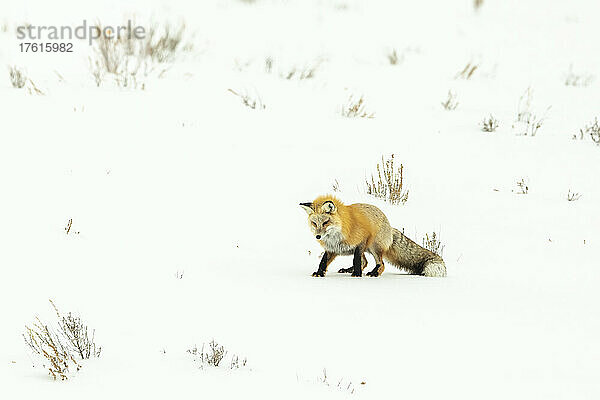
356,226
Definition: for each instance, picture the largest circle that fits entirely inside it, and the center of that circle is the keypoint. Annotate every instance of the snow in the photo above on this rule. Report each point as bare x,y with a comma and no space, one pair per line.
182,177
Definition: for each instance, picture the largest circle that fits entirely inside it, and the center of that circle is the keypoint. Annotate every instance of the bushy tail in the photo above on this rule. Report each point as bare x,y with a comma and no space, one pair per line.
407,255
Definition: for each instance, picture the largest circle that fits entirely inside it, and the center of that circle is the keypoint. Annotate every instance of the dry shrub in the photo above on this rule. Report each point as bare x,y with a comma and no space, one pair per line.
214,355
572,78
528,122
394,58
342,384
356,108
303,72
129,60
18,77
592,129
389,184
451,101
522,186
254,102
237,363
573,196
489,124
432,243
335,186
467,72
62,347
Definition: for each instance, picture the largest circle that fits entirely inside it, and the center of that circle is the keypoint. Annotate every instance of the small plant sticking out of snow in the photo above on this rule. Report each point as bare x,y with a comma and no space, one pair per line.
97,71
129,60
572,196
592,129
356,108
63,347
69,228
237,363
249,101
342,384
214,356
268,64
394,58
389,185
467,72
522,186
32,88
489,124
477,4
451,102
577,80
335,186
18,77
306,72
528,122
432,243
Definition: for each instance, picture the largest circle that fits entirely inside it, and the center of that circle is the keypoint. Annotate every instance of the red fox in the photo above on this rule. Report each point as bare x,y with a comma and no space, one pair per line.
354,229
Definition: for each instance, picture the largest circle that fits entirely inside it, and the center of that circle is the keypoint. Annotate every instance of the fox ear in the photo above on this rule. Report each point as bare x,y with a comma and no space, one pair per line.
328,207
308,207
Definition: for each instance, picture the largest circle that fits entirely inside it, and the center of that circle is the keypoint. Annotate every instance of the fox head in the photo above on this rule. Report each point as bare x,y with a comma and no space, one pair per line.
322,218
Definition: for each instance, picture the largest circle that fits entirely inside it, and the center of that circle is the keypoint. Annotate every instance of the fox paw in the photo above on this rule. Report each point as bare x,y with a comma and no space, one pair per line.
318,273
357,274
346,270
373,273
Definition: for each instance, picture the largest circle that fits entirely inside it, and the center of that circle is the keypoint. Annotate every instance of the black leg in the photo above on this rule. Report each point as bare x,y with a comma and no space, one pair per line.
357,262
322,266
375,271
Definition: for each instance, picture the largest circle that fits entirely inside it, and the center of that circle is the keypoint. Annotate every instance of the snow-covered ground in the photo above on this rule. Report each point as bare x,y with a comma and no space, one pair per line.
185,217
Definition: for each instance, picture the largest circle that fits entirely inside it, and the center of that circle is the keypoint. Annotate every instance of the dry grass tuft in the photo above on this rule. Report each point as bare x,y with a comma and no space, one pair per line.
433,244
300,73
574,79
394,58
573,196
254,102
214,355
389,184
592,129
335,186
63,347
528,122
18,76
467,72
522,186
356,108
489,124
129,60
342,384
451,101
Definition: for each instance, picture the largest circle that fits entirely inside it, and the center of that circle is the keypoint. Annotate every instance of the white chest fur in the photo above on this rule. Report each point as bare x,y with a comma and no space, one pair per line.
334,242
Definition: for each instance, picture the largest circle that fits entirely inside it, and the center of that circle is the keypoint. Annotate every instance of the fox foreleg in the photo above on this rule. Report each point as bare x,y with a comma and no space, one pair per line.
359,252
325,261
349,270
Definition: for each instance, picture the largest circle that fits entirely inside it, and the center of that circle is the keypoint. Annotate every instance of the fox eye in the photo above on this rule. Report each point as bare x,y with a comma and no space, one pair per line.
315,225
325,223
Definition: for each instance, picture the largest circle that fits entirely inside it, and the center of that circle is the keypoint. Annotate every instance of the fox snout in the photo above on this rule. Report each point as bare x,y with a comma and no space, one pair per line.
318,237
